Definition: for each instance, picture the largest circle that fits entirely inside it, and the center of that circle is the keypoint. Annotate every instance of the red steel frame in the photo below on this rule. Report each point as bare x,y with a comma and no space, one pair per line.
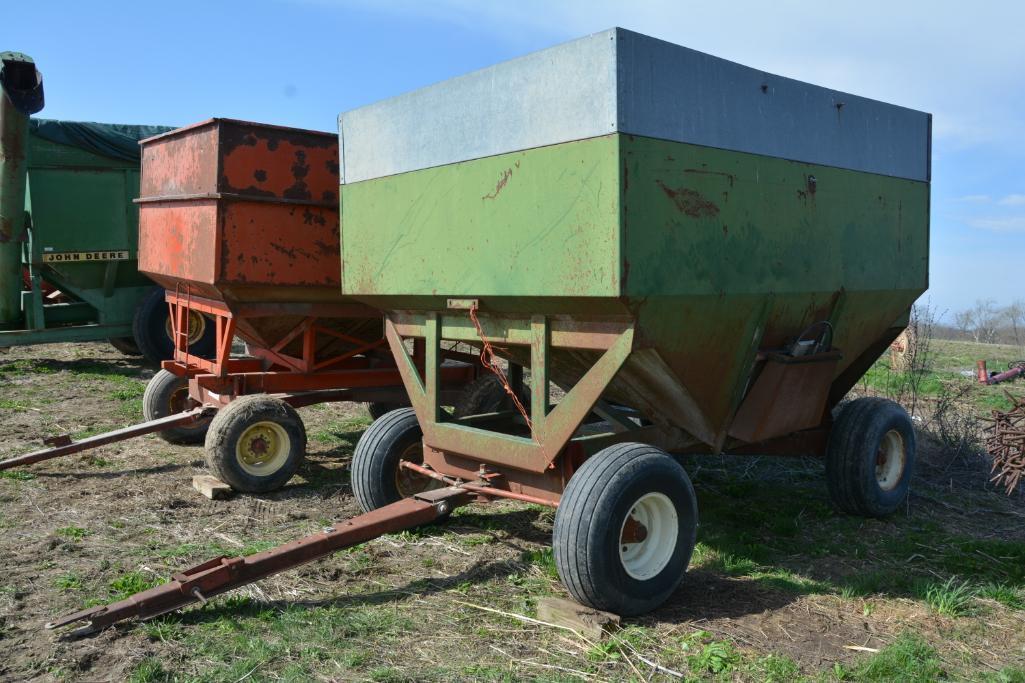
216,381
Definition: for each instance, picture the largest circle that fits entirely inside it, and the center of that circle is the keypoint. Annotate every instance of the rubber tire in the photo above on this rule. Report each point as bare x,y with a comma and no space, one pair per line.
487,395
590,515
149,328
379,410
156,403
851,457
229,424
125,345
377,456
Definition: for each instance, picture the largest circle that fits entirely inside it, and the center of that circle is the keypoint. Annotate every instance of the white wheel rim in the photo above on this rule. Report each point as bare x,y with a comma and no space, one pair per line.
263,448
647,537
890,460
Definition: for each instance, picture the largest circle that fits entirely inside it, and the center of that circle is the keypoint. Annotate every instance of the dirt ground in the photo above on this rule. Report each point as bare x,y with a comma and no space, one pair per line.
781,588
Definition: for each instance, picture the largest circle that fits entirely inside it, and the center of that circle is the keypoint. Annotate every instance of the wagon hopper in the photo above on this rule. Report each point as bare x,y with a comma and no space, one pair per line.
239,222
704,257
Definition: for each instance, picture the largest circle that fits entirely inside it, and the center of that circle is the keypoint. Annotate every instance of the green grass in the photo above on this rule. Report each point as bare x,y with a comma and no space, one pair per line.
68,582
130,584
908,659
75,533
951,597
237,635
1008,596
17,475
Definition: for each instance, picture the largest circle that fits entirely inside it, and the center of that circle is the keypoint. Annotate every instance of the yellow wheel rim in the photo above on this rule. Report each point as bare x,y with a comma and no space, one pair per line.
197,326
263,448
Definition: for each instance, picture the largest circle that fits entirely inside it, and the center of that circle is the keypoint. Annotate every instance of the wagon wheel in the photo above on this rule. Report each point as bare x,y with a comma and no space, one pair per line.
870,457
377,478
168,394
125,345
151,329
625,529
256,444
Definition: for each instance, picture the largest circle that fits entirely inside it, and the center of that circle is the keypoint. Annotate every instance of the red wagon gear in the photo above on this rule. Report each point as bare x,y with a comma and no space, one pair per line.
239,223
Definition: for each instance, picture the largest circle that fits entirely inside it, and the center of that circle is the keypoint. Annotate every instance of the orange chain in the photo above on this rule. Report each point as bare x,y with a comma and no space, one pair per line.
490,361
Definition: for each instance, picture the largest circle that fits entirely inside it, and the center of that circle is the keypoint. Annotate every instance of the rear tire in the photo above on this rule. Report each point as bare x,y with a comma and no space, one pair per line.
610,564
256,444
486,394
376,478
379,410
870,457
125,345
168,394
150,329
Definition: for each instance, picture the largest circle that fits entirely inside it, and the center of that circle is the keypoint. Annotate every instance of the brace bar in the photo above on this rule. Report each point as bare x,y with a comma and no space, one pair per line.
223,574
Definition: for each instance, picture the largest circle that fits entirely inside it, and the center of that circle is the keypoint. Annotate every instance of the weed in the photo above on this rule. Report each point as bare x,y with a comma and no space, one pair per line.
544,559
909,658
717,657
1006,595
150,670
75,533
17,475
68,582
951,597
775,669
129,584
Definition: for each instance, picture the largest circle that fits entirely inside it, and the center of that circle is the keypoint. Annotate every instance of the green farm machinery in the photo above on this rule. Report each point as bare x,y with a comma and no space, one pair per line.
663,253
68,242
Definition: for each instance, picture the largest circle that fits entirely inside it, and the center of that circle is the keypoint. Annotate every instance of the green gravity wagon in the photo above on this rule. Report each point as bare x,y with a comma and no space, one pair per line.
68,241
687,255
657,252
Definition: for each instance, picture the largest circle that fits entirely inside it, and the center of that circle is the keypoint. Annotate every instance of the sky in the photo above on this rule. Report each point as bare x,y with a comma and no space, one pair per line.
302,62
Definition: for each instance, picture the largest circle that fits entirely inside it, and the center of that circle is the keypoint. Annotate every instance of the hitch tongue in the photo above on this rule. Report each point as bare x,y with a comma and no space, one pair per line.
222,574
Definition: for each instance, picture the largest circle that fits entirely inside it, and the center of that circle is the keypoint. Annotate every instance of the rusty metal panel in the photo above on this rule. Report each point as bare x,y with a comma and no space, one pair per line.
227,203
618,81
789,395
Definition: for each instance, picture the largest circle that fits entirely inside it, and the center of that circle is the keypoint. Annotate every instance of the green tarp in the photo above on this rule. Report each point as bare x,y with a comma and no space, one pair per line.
114,140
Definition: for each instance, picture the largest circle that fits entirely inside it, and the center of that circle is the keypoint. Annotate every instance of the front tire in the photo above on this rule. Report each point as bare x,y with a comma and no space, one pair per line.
377,479
256,444
168,394
870,457
625,529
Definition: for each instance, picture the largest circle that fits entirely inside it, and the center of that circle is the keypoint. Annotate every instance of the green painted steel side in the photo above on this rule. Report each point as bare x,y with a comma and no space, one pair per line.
540,223
716,255
78,201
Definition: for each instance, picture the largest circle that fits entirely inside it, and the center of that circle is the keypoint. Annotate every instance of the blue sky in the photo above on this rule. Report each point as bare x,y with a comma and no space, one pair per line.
301,62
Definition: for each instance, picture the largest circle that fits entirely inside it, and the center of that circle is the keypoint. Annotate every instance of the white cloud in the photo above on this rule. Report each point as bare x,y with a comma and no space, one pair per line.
934,57
974,199
1008,224
1013,200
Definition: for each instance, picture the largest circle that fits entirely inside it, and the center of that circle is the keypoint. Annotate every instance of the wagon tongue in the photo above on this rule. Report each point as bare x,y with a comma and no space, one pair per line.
223,574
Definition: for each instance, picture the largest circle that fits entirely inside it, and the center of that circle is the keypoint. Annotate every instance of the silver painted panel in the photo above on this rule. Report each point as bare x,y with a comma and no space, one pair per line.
621,81
555,95
675,93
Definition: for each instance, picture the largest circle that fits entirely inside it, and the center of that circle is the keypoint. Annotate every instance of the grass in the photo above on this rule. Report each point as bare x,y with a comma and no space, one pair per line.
952,598
952,364
17,475
74,533
908,659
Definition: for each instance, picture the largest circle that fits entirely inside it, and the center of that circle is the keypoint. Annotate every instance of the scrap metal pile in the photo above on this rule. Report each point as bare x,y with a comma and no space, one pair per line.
1005,442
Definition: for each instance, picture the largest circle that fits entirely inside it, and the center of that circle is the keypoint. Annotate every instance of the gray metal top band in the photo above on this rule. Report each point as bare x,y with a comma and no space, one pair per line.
621,81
